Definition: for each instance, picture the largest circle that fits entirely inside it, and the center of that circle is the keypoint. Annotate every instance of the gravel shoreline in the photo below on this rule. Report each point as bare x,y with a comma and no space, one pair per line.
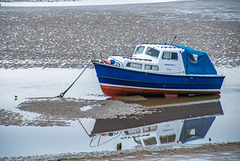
220,152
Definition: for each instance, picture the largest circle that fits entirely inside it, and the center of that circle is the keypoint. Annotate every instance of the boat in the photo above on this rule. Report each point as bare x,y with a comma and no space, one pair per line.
159,69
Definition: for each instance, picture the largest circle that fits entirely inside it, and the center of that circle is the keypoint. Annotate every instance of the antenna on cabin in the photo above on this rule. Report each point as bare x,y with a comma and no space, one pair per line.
173,40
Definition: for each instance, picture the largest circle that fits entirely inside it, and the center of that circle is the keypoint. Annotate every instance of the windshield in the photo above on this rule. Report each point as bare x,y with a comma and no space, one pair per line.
139,50
152,52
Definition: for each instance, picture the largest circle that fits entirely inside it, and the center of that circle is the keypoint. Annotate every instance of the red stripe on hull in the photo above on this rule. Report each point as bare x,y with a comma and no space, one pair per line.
114,91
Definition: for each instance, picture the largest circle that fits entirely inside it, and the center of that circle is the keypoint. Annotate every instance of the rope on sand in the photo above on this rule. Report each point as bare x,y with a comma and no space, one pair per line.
63,93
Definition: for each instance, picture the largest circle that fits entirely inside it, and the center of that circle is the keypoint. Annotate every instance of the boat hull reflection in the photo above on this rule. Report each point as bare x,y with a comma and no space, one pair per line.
166,124
159,115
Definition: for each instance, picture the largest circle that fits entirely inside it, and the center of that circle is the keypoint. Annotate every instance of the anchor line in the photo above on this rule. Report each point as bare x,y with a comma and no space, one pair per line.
63,93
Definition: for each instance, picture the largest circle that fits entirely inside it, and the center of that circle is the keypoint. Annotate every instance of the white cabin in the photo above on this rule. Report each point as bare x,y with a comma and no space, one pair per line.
153,58
156,134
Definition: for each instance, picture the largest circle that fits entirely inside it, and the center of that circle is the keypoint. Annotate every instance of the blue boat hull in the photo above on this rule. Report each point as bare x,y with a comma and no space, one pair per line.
116,81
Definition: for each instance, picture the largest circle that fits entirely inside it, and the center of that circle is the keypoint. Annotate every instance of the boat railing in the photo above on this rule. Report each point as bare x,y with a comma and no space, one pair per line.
118,61
131,58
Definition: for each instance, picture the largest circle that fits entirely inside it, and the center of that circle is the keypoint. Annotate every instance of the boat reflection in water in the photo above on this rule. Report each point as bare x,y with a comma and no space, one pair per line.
172,123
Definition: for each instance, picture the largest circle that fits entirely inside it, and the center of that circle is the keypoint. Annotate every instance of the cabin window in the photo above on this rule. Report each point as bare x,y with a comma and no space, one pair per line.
134,65
150,128
152,52
137,140
168,138
194,58
150,141
151,67
139,50
191,133
132,131
170,56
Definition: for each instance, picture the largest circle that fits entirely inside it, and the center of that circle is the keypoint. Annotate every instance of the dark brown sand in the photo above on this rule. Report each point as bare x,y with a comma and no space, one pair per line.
60,112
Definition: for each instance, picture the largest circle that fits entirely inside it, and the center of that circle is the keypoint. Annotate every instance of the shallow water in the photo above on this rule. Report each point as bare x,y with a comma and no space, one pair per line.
219,117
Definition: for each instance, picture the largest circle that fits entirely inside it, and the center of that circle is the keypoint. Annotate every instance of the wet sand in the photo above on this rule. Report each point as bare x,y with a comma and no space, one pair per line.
64,37
218,152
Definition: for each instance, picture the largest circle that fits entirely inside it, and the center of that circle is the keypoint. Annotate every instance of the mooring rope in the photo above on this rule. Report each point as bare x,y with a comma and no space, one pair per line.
63,93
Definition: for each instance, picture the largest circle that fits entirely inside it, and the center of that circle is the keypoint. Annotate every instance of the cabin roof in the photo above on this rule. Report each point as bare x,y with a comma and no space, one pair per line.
161,46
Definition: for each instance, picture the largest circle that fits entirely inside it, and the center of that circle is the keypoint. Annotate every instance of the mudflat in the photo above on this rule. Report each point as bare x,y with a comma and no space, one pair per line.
66,37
